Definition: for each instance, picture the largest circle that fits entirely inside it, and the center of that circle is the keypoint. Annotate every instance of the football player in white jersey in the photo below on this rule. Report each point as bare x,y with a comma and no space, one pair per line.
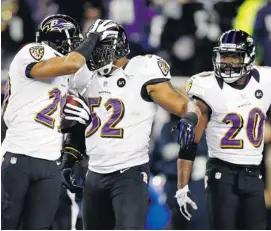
234,100
30,173
122,97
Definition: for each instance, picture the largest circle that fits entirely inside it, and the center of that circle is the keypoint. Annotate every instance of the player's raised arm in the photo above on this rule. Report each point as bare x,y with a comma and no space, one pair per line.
70,64
58,66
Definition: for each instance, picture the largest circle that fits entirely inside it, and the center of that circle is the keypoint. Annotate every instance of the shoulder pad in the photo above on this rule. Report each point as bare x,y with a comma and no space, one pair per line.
199,83
264,69
205,74
39,51
151,65
264,72
155,61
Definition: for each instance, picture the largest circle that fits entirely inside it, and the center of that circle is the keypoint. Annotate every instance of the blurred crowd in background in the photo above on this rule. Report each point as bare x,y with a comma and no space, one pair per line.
182,32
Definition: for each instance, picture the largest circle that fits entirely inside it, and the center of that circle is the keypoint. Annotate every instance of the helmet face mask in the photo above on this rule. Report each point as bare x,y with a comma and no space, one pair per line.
102,57
60,32
108,51
234,56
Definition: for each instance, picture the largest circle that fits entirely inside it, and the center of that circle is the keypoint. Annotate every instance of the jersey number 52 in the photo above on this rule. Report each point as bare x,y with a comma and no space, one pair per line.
108,129
254,129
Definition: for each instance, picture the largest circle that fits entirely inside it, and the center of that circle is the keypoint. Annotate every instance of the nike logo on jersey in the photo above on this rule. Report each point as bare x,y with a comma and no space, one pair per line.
58,163
123,170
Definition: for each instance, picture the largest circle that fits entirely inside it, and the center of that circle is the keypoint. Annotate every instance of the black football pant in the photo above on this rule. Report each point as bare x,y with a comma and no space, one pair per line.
30,192
234,196
116,200
63,216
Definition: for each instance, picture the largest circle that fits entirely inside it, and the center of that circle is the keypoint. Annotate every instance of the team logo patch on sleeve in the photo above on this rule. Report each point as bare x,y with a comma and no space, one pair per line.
164,67
188,86
37,52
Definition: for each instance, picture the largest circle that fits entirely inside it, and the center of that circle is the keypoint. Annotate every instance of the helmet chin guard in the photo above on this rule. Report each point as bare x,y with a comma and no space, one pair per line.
105,70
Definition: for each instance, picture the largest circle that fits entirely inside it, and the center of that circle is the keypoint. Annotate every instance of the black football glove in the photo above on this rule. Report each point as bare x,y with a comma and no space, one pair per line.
69,179
186,128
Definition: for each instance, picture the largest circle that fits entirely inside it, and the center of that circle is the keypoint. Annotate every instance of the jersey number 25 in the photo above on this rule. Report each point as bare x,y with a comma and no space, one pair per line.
45,115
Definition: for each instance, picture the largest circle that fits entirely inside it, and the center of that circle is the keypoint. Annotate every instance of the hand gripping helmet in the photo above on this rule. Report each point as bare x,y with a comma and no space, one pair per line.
239,44
61,32
109,50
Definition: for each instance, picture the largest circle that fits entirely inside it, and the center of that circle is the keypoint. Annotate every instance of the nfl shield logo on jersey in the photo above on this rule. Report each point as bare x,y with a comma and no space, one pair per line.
37,52
218,175
13,160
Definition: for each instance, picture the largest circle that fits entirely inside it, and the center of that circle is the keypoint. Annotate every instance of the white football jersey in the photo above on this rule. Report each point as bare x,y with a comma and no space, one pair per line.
236,127
119,134
31,108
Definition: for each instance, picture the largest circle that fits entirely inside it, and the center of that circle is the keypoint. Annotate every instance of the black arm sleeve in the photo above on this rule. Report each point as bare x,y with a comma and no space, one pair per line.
74,144
190,153
28,69
86,48
144,93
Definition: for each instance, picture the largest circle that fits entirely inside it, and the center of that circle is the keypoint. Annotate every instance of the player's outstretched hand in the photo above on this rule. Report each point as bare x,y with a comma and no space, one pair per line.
186,129
185,202
104,28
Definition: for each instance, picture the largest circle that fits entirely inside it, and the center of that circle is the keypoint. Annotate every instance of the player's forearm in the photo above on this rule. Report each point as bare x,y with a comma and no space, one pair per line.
173,102
192,107
58,66
180,103
184,169
267,133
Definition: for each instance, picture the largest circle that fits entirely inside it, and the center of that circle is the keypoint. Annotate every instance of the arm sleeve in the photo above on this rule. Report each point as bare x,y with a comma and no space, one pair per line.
200,88
31,54
156,71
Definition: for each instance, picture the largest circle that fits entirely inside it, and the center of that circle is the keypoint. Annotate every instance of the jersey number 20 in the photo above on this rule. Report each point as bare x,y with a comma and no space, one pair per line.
108,129
254,129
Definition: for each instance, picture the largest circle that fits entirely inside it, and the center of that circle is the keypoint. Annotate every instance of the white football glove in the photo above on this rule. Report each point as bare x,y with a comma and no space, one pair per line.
82,115
184,199
102,27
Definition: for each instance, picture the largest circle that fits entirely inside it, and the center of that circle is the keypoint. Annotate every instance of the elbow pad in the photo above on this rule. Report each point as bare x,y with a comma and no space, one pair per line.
190,153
